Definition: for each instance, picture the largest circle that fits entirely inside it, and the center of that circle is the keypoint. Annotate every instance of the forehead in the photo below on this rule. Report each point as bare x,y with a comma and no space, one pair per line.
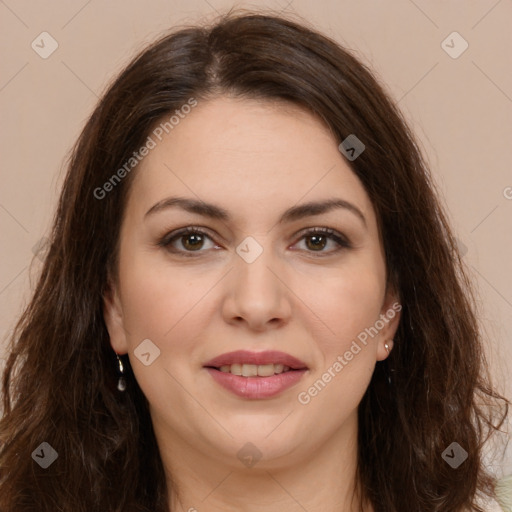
246,153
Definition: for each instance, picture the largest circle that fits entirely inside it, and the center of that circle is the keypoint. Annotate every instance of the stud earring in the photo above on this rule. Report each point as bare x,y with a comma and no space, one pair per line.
386,346
121,383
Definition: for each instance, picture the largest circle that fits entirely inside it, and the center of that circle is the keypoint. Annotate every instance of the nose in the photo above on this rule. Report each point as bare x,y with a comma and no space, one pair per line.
257,294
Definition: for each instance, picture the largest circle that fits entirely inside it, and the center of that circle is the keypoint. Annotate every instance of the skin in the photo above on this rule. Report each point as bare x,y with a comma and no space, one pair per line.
255,160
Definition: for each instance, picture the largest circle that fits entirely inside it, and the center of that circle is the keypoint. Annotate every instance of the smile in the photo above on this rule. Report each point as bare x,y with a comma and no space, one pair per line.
256,375
253,370
256,388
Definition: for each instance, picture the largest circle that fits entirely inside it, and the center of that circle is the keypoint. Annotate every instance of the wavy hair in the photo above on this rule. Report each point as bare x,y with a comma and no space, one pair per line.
59,383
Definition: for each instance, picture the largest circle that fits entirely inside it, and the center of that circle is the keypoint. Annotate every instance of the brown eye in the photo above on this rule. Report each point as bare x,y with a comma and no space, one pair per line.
316,242
192,241
317,239
186,241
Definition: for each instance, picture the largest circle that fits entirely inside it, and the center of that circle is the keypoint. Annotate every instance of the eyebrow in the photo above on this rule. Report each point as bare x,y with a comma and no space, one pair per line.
291,214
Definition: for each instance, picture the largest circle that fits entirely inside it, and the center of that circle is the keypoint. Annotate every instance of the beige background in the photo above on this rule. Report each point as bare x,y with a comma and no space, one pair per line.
460,109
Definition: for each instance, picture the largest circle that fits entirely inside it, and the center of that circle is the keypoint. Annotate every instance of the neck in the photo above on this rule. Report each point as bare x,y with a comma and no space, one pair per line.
321,480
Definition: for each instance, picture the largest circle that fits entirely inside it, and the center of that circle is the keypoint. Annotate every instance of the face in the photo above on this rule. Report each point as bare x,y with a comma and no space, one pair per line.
257,271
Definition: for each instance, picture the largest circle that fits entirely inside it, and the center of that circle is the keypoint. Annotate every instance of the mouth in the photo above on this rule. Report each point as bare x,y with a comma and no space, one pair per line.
256,375
253,370
252,364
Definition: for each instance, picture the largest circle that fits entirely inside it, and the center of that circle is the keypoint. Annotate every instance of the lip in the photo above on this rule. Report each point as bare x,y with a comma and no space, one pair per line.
258,358
257,387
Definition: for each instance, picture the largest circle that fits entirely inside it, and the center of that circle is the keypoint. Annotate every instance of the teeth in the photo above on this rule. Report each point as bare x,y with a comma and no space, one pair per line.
265,370
236,369
249,370
253,370
279,368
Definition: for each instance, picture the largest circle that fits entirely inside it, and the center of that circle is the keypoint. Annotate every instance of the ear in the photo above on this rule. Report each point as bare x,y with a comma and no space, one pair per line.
390,317
114,320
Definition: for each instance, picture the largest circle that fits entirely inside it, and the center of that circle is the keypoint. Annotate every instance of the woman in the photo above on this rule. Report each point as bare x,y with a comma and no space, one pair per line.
248,233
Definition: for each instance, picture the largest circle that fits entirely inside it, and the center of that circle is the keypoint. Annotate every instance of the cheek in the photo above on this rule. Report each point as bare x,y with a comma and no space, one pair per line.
159,301
349,305
347,302
166,306
173,306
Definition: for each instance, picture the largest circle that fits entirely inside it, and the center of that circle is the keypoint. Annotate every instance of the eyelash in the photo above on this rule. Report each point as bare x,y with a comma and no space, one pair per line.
331,234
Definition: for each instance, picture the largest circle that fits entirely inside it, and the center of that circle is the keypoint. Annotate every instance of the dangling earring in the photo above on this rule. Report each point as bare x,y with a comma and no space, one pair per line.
121,383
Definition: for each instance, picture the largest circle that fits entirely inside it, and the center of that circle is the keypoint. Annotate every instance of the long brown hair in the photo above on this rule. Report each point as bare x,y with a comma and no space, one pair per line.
59,384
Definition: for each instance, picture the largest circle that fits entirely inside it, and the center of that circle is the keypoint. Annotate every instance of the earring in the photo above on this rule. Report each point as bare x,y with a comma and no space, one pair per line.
121,383
389,370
